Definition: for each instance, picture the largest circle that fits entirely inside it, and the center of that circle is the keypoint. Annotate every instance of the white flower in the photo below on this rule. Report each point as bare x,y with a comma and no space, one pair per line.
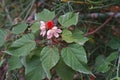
53,32
42,28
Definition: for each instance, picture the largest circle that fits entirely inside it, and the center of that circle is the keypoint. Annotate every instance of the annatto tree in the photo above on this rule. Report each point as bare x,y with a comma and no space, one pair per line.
60,40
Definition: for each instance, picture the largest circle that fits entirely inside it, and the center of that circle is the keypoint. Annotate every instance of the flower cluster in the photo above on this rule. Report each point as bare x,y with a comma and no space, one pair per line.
49,29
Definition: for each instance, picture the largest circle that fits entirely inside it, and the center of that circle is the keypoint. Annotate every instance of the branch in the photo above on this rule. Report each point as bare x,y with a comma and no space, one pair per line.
31,17
6,11
30,8
89,33
118,65
97,15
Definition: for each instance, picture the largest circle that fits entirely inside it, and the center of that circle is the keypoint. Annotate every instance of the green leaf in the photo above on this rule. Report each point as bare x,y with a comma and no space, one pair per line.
45,15
68,19
114,43
75,57
118,78
67,36
2,37
101,65
36,52
115,78
36,73
14,63
19,28
76,36
112,56
79,38
22,46
35,27
49,58
33,69
64,71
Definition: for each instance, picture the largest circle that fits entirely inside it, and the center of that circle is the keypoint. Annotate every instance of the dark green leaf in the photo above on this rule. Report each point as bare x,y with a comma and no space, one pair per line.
112,56
64,71
45,15
68,19
114,43
22,46
33,69
49,58
75,57
101,65
36,52
35,27
14,63
19,28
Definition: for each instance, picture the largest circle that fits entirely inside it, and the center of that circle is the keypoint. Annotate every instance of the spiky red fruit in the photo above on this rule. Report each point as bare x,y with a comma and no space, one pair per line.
49,24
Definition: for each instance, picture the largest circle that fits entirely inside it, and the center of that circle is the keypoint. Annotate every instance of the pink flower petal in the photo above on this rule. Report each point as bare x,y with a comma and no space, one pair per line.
42,28
53,32
43,33
56,35
42,23
54,27
59,30
49,34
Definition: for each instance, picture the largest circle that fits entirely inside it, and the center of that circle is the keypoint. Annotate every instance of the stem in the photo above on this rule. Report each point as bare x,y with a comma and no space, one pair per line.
118,63
21,74
6,11
99,15
32,3
89,33
25,9
81,77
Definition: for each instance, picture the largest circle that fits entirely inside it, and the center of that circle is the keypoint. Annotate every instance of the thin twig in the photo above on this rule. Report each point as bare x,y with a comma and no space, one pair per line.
118,65
90,33
6,11
90,15
31,17
99,15
32,3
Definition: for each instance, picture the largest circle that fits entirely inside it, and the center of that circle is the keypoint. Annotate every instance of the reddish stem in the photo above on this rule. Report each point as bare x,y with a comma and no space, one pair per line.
97,29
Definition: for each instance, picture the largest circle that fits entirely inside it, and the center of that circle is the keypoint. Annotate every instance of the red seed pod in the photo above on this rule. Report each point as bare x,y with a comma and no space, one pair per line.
49,24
